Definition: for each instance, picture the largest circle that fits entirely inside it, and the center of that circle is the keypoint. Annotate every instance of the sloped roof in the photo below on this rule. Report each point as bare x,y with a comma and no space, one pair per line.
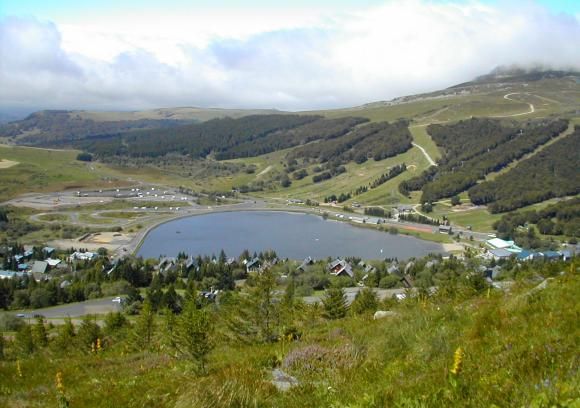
39,267
501,253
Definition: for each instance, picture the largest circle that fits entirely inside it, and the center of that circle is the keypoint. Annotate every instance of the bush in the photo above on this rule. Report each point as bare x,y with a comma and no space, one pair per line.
115,321
86,157
365,301
39,298
9,322
388,282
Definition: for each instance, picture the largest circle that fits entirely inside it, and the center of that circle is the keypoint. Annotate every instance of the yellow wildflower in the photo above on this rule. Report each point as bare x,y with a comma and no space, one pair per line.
18,369
59,384
457,361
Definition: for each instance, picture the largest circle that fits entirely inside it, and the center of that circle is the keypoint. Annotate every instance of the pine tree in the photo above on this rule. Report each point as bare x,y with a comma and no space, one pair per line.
89,332
193,334
265,310
142,334
24,340
365,301
65,336
334,302
39,333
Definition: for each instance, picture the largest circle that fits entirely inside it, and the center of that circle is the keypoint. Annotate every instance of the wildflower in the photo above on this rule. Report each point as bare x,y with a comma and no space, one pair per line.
59,384
457,361
18,369
98,344
61,398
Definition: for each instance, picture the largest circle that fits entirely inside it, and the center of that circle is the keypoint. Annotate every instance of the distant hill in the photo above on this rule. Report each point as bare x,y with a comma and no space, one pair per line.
57,126
516,74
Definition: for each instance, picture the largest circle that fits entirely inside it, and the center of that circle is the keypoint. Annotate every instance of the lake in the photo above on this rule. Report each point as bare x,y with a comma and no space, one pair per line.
291,235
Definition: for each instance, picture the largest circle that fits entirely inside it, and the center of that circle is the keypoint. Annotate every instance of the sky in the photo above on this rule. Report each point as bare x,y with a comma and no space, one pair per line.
293,55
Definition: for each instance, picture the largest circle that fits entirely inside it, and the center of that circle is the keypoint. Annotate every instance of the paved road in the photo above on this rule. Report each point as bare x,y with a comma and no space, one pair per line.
95,306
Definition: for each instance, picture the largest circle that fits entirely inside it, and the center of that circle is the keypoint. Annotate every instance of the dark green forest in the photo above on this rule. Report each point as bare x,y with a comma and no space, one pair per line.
553,172
475,148
376,140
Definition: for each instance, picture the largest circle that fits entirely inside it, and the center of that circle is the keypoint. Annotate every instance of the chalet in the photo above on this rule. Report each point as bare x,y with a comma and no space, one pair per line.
393,268
191,263
500,253
52,262
48,251
340,267
230,261
167,264
254,265
39,267
368,268
305,264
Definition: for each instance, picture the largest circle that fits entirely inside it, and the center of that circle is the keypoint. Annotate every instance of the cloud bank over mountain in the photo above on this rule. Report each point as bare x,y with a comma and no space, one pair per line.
286,61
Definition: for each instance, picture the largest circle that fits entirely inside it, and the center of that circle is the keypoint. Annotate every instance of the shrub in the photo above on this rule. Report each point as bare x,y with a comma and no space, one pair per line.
9,322
86,157
365,301
334,302
388,282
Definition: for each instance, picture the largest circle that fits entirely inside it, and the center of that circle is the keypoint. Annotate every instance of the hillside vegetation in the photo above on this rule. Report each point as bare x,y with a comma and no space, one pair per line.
474,148
465,346
553,172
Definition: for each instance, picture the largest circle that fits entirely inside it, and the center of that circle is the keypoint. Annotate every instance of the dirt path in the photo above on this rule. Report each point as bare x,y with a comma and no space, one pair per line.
4,164
429,159
507,96
266,170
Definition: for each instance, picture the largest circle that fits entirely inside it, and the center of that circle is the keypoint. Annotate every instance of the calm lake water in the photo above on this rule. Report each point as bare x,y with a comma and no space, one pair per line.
291,235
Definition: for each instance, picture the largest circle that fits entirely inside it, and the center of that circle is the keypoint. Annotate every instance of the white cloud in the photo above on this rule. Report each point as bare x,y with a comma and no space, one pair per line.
288,61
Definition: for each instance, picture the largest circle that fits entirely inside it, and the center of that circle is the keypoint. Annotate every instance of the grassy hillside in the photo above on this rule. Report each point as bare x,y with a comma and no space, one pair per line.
42,170
458,348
